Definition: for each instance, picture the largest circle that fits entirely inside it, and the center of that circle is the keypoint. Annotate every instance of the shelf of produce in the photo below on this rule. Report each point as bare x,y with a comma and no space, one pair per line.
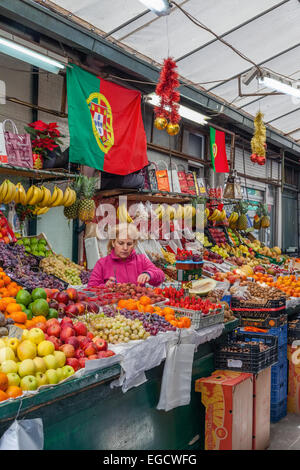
140,196
35,174
86,414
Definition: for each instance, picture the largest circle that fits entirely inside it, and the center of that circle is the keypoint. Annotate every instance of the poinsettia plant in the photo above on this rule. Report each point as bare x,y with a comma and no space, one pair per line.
44,137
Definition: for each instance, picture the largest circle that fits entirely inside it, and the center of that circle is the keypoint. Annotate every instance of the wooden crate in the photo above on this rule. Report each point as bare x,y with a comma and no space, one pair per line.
228,398
38,237
261,409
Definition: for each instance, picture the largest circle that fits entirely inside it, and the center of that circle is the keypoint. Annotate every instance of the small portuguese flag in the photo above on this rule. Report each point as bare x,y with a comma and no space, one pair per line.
105,124
218,151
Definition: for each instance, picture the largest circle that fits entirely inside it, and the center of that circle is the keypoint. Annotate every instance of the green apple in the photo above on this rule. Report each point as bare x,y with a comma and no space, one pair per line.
13,379
26,367
60,374
50,361
67,371
52,376
45,348
40,364
9,366
60,358
36,335
29,382
2,343
41,378
13,343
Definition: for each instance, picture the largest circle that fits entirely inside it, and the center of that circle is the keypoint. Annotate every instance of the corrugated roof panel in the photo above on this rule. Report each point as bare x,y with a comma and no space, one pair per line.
288,123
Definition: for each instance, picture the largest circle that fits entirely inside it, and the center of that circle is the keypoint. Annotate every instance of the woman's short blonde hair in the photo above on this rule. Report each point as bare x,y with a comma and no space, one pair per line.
122,231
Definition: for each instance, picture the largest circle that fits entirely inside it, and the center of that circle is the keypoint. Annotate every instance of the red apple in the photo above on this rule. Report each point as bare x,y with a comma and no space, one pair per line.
52,321
41,325
66,332
93,307
66,320
81,296
79,353
72,293
68,350
53,304
62,297
72,361
90,349
74,341
100,343
56,341
107,353
71,310
46,336
80,329
93,356
83,341
55,295
80,307
90,335
54,330
82,360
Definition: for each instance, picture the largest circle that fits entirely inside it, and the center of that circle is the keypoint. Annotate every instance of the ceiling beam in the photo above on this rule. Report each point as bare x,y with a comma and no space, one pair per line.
66,31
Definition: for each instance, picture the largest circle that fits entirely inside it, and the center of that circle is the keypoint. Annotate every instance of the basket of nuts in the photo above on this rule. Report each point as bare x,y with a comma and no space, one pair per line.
247,352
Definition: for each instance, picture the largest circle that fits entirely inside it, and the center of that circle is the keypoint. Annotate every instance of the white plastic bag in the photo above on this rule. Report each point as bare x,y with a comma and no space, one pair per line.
25,434
177,377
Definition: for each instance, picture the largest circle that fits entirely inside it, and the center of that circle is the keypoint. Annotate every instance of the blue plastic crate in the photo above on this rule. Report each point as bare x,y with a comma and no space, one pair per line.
279,372
278,411
282,353
278,392
280,332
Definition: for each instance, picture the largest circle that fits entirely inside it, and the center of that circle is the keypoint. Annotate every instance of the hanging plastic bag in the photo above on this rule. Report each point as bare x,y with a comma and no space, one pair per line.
25,434
177,377
162,177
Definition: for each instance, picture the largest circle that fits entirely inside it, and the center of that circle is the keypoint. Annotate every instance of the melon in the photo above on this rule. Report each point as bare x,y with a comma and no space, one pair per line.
202,286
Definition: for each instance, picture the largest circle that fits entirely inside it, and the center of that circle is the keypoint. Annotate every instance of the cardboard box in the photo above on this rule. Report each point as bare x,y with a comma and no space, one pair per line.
293,398
228,398
261,409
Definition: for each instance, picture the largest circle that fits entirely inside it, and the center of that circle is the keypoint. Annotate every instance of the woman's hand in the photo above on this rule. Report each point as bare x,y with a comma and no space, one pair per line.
143,278
110,281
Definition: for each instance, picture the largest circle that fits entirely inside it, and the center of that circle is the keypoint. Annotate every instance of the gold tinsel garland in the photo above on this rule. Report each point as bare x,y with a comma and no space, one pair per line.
258,141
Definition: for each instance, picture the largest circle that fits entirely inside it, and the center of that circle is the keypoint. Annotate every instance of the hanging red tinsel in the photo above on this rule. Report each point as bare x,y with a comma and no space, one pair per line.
166,90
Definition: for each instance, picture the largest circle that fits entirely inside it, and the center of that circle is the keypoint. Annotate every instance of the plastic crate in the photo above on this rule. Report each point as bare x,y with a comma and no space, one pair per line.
282,353
245,357
278,392
278,411
280,332
198,319
272,308
267,322
279,372
293,330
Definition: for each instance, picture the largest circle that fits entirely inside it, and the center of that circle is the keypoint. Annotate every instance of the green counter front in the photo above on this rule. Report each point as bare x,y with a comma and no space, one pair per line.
87,414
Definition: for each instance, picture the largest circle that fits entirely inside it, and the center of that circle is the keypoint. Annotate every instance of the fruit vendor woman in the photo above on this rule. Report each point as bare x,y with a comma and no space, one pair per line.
123,264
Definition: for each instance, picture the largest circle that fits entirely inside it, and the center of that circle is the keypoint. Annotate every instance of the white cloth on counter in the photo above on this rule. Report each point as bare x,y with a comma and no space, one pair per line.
142,355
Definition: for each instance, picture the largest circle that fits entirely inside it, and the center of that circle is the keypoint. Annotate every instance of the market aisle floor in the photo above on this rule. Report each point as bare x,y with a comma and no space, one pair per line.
285,435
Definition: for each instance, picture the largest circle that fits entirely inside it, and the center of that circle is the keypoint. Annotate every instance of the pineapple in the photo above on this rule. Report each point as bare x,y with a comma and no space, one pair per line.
242,222
71,212
263,212
256,222
86,207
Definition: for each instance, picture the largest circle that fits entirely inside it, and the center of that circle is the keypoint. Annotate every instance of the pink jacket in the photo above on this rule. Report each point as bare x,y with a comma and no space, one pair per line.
125,271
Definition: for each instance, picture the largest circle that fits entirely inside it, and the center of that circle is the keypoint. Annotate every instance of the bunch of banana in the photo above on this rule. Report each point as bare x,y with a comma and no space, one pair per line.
56,198
7,192
215,215
233,218
34,196
160,211
123,215
179,213
40,210
69,197
20,197
189,211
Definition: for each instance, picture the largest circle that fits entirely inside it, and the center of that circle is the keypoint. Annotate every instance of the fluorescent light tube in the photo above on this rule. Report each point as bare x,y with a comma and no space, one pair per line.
160,7
30,56
184,112
279,86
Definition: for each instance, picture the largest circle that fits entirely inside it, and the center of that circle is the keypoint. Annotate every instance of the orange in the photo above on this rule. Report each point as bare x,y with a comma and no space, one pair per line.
145,300
174,323
149,309
12,308
13,392
122,303
3,395
169,318
39,318
168,311
19,317
157,310
3,381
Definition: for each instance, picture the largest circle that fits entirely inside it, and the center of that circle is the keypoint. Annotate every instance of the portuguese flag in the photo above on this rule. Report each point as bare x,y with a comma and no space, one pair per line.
218,151
105,124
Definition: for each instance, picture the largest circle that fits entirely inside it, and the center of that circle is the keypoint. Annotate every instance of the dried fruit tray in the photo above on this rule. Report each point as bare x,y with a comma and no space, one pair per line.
265,322
199,320
246,352
273,308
